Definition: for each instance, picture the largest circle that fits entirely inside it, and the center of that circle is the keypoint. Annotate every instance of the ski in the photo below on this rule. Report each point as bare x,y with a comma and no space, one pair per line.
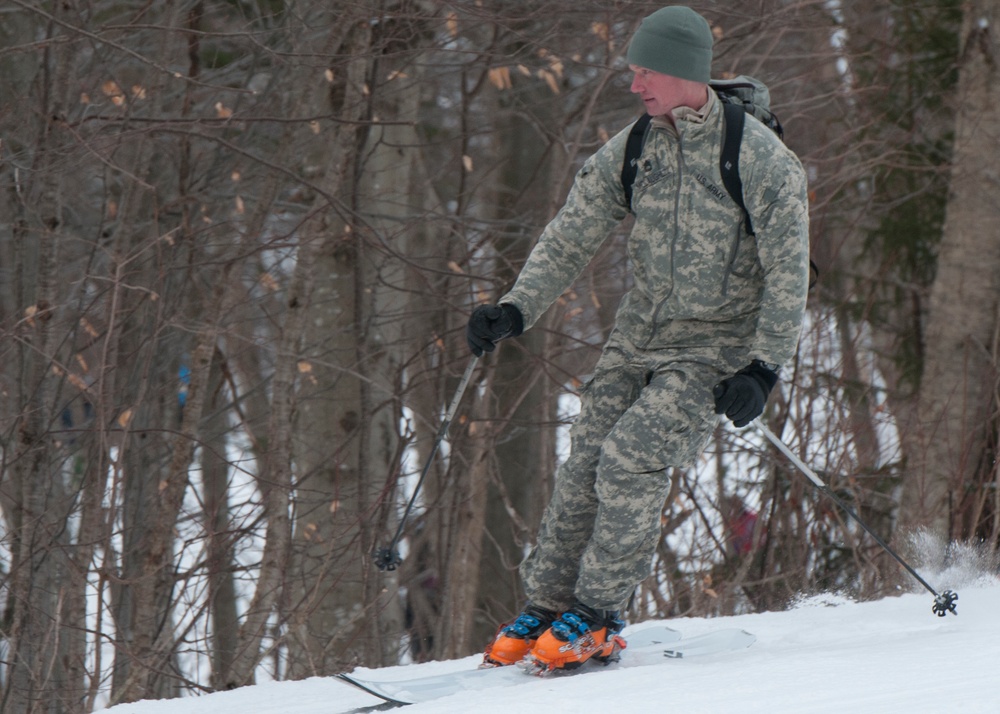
644,647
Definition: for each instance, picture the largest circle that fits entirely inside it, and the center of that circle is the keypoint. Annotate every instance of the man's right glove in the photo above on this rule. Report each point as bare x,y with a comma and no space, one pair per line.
742,397
489,324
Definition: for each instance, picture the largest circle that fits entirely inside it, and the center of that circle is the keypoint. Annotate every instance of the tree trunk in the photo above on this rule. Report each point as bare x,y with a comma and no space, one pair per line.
950,434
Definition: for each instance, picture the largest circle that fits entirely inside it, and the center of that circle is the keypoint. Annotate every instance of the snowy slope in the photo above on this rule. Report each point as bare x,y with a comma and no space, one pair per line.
825,655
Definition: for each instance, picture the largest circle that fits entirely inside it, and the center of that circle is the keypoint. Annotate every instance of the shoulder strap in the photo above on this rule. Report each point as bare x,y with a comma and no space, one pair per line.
729,165
633,150
729,159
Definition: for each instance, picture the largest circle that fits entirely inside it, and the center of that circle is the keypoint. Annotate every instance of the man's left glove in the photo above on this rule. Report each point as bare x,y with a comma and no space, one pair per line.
489,324
742,397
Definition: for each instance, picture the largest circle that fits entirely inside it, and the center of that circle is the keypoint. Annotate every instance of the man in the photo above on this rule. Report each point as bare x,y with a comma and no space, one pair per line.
712,315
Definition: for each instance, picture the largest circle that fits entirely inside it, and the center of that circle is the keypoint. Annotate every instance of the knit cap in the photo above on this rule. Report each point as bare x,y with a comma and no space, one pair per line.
676,41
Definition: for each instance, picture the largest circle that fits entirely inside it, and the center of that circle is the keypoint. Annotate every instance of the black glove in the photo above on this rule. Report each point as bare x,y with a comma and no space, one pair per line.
491,323
742,397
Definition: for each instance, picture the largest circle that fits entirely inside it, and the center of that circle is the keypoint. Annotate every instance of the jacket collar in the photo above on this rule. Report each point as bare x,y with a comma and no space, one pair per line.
688,118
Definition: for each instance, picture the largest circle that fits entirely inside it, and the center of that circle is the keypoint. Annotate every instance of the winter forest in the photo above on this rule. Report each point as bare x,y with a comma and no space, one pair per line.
239,243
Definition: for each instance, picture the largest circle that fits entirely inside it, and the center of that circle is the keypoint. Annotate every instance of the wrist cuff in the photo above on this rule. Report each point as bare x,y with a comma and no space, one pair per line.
515,317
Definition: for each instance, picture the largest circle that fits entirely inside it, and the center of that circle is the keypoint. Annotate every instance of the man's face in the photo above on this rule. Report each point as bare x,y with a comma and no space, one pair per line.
660,93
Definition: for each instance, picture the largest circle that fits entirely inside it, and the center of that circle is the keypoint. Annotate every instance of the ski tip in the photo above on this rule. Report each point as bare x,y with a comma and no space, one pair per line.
710,643
371,688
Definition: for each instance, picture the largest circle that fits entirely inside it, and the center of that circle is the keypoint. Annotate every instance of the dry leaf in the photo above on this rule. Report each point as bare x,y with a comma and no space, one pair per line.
222,111
500,77
314,126
601,29
240,207
77,381
113,91
330,76
550,79
467,162
455,267
451,22
305,367
87,327
125,418
269,283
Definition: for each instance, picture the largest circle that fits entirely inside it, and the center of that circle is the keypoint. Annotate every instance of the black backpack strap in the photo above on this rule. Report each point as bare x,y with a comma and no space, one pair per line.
729,159
633,150
729,165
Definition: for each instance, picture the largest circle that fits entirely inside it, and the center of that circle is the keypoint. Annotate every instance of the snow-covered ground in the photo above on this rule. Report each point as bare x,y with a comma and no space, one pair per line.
827,654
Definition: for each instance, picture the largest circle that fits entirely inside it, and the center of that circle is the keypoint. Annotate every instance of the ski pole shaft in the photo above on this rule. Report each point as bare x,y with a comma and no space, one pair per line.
942,602
388,558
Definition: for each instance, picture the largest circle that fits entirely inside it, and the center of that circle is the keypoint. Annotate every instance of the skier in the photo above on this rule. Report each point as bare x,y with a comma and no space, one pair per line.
712,315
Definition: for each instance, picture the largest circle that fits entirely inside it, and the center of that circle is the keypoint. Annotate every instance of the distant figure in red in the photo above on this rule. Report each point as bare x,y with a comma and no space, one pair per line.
739,523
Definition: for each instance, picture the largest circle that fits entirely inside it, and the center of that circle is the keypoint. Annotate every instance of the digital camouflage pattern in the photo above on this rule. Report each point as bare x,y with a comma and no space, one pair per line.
706,300
642,412
698,278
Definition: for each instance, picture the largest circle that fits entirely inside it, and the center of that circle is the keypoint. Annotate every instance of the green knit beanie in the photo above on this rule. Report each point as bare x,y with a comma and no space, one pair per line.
676,41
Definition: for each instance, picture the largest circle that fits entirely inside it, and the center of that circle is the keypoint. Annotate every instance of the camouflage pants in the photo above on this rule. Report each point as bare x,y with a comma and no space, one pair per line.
643,412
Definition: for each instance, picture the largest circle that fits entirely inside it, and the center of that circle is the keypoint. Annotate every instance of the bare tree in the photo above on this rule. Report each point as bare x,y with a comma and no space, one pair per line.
238,246
951,465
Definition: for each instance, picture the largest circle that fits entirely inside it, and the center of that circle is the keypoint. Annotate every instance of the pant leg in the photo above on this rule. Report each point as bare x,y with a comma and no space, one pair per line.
667,426
551,569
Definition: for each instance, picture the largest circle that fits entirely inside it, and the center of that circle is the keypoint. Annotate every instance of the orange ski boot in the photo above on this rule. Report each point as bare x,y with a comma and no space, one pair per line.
515,639
578,635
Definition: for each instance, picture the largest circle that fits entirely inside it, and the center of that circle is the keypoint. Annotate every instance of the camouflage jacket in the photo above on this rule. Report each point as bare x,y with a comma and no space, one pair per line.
698,279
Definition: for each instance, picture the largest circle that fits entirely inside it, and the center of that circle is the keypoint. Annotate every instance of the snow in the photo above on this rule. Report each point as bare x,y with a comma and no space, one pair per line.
826,654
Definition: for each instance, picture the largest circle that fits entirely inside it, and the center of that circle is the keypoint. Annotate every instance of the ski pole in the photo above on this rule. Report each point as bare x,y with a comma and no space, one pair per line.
943,602
388,558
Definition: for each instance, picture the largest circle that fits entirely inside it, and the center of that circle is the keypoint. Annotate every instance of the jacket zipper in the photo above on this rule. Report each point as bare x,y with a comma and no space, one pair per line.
673,241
